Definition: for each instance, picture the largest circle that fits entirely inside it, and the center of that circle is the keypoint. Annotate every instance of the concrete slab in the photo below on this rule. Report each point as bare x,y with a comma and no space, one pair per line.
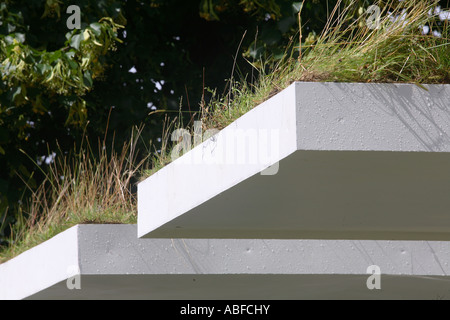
114,264
346,161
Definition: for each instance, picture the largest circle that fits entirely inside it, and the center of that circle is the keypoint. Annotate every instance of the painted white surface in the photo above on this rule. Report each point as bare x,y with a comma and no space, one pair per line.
115,264
357,161
373,117
41,267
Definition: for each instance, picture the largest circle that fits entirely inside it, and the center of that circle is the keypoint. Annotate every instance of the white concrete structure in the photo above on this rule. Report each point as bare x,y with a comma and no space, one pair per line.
356,161
115,264
362,168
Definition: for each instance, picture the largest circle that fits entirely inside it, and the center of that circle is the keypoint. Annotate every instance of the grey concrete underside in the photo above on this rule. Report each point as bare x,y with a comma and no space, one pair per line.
249,287
356,161
331,195
115,264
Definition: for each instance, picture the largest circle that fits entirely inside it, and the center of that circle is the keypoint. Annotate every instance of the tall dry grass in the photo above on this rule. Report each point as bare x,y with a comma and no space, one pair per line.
91,187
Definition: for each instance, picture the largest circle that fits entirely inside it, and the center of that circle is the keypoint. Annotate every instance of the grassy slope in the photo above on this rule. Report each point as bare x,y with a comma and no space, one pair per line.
346,51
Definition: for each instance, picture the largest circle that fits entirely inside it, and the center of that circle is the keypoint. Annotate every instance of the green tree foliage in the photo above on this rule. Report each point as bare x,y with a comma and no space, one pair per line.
46,71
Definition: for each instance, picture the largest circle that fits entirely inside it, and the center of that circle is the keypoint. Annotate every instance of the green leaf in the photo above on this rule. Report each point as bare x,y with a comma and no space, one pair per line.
284,25
87,79
16,92
42,69
70,54
75,41
30,59
20,37
55,56
73,65
69,35
96,28
278,54
297,6
2,151
9,40
256,53
11,28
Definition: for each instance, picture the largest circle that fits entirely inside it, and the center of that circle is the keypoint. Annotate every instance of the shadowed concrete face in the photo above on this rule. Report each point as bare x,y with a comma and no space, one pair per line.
330,194
356,161
248,287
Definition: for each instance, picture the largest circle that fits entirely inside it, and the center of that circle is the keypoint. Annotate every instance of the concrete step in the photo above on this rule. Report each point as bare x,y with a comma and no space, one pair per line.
113,263
316,161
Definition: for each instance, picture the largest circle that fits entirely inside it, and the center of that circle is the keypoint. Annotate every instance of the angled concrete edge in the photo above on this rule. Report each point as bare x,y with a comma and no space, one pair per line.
114,264
41,267
245,148
340,161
